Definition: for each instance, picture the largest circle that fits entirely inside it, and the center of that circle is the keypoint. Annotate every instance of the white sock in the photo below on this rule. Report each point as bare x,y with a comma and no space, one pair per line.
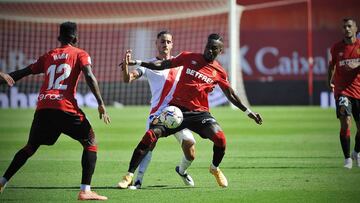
85,188
184,164
143,166
214,167
3,181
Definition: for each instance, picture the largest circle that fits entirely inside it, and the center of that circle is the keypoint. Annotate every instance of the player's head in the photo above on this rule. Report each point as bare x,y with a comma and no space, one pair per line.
349,28
214,47
68,33
164,43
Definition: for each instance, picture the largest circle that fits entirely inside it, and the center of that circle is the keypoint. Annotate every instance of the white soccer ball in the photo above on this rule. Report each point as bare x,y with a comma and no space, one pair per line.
171,117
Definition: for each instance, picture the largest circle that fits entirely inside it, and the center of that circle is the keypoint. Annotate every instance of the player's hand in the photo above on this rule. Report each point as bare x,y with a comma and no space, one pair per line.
127,56
256,117
103,114
127,59
9,80
332,87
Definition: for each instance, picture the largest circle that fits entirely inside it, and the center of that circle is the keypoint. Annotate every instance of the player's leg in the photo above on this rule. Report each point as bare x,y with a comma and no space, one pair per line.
145,161
345,124
356,114
18,161
217,136
356,153
78,127
149,139
41,132
207,127
343,111
187,141
142,169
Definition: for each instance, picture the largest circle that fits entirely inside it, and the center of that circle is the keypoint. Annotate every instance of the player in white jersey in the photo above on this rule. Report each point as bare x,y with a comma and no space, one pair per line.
162,84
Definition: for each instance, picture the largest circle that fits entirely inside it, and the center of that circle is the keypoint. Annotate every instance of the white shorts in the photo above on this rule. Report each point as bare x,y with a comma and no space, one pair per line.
184,134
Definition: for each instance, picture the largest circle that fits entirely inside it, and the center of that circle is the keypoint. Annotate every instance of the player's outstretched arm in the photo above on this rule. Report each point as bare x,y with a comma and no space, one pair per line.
234,99
14,76
156,65
94,87
128,76
6,78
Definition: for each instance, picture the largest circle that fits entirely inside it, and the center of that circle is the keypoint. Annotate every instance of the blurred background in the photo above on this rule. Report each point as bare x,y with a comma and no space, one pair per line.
277,39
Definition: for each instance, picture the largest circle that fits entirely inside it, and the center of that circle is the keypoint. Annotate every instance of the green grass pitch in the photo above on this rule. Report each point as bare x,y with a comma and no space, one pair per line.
295,156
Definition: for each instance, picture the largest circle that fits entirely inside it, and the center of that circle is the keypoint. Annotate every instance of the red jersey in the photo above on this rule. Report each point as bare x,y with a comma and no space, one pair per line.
62,67
347,82
198,78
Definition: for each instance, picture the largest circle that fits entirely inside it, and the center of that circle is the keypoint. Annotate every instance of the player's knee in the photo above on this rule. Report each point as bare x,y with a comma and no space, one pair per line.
345,132
219,139
158,132
30,149
149,138
91,148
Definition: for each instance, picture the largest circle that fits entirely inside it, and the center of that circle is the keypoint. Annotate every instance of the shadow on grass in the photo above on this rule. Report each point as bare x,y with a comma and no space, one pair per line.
284,157
280,167
273,167
151,187
54,188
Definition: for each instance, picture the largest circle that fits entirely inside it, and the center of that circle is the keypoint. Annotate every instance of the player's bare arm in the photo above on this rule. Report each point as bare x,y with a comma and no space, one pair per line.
94,87
128,76
331,71
6,78
234,99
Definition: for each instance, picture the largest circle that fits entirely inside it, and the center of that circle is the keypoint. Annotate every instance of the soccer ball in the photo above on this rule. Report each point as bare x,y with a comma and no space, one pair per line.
171,117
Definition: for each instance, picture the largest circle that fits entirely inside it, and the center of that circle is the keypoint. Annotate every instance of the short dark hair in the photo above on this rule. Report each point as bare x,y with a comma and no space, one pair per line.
349,19
215,36
164,32
68,31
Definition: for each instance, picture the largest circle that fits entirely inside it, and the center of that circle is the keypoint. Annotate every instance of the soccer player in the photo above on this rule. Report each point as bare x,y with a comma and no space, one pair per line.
161,83
57,109
199,74
344,80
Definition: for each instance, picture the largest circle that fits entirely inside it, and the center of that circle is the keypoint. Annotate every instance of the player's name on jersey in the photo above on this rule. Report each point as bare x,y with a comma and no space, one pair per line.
60,56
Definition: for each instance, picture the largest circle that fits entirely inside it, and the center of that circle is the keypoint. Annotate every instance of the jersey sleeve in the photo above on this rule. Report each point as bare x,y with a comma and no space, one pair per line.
141,71
223,81
84,59
38,66
179,59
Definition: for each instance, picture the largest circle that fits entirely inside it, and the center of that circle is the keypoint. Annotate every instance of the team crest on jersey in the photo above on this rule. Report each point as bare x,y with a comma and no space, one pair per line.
193,62
214,73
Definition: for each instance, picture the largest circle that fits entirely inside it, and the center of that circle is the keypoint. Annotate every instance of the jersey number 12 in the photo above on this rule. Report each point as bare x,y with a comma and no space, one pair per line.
62,68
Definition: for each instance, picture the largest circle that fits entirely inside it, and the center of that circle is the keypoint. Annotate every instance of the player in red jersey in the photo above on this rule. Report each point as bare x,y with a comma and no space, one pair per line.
344,79
161,83
200,73
57,110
